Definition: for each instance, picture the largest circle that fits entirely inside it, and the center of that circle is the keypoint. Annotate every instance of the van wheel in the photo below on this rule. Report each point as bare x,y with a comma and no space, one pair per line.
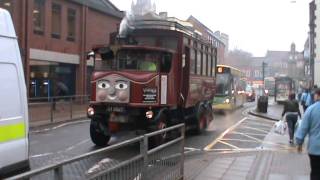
98,137
161,138
201,120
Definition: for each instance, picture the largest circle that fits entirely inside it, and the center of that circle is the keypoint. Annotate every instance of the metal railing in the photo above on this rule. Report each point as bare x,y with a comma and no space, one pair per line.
165,161
57,109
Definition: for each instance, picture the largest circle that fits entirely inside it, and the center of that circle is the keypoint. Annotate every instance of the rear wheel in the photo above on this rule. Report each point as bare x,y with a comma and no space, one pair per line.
98,135
201,120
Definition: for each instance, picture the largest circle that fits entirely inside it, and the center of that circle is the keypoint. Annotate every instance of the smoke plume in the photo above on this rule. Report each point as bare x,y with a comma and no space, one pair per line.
139,10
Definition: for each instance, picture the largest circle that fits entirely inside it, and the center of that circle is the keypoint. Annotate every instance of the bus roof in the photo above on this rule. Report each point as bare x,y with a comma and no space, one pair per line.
233,71
225,66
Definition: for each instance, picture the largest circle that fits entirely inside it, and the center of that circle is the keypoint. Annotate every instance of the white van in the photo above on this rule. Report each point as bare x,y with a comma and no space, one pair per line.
14,150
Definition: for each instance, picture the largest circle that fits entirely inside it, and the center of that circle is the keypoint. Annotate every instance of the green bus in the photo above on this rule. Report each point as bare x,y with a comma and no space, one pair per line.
230,88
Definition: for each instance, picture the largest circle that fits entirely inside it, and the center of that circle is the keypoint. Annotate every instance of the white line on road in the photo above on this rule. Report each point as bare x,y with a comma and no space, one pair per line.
41,155
57,127
207,148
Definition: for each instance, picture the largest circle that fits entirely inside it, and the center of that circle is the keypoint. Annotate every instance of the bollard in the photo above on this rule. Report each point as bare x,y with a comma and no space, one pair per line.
182,152
71,106
52,107
144,153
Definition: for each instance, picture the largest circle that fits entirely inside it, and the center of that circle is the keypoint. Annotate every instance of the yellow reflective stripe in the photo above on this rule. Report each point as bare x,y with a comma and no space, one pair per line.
12,132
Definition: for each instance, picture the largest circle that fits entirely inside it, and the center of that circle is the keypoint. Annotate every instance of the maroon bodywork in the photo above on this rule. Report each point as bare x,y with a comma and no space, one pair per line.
181,95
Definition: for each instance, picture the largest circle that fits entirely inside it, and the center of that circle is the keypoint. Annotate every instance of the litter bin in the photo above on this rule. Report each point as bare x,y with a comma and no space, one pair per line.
263,104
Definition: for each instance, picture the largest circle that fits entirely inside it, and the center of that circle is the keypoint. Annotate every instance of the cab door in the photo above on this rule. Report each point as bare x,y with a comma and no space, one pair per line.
185,75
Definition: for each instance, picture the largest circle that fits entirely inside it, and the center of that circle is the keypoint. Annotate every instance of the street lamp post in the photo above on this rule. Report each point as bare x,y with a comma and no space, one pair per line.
264,65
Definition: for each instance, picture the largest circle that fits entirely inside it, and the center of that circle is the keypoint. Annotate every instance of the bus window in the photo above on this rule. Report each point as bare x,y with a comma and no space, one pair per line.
198,63
193,67
223,84
204,64
165,65
213,65
209,66
142,60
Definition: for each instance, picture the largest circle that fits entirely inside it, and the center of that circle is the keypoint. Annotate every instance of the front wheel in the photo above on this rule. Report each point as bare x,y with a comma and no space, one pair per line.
161,138
97,134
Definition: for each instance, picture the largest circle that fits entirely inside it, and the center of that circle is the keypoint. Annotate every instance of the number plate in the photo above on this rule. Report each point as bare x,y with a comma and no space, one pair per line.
116,109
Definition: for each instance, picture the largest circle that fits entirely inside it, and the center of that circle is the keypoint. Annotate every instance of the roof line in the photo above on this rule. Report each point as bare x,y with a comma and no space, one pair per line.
110,3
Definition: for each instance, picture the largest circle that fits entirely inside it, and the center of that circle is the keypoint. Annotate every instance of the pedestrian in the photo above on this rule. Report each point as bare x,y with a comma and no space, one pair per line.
310,99
310,125
291,112
304,99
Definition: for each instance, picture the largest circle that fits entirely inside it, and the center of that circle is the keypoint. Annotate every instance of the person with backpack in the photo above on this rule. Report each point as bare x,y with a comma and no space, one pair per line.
310,125
291,111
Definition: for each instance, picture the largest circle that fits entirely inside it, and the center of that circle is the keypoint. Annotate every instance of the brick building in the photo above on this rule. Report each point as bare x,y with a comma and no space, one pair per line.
220,40
279,63
54,36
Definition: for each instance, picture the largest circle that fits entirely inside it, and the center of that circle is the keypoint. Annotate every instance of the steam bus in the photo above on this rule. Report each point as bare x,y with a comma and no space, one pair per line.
269,85
283,87
230,88
159,75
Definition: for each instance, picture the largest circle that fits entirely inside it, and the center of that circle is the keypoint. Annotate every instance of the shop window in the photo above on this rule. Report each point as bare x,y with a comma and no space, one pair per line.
71,25
38,16
7,4
56,21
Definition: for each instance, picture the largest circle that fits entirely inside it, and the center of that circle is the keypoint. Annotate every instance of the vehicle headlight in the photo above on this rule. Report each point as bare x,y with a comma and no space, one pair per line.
149,114
91,111
227,101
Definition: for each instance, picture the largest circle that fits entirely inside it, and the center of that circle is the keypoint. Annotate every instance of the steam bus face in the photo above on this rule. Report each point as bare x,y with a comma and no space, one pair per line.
113,89
136,76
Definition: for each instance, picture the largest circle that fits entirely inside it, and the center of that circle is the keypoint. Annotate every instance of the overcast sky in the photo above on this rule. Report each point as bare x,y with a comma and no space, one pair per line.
252,25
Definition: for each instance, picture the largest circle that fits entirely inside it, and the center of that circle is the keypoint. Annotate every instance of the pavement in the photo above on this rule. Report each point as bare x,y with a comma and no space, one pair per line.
42,114
274,111
274,159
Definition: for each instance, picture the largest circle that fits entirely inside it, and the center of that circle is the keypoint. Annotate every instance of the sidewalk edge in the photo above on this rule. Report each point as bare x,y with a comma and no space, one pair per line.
252,112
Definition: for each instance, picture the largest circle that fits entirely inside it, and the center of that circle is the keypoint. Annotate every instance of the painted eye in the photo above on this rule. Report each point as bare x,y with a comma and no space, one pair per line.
121,86
103,84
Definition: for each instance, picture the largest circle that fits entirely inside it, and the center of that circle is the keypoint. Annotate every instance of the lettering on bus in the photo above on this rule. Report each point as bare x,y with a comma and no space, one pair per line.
149,95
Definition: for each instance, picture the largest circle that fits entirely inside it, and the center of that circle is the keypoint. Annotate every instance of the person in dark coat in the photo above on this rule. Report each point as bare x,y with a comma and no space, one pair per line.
292,111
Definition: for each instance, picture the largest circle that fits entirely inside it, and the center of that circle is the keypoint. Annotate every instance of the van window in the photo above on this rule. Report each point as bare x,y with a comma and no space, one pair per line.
10,101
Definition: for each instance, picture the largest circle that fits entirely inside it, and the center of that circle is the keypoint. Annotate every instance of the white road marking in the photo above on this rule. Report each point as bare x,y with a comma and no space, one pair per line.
99,165
62,151
57,127
41,155
207,148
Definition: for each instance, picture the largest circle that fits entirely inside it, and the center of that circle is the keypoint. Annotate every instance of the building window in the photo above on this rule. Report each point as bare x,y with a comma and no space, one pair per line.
56,21
38,16
7,4
71,25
